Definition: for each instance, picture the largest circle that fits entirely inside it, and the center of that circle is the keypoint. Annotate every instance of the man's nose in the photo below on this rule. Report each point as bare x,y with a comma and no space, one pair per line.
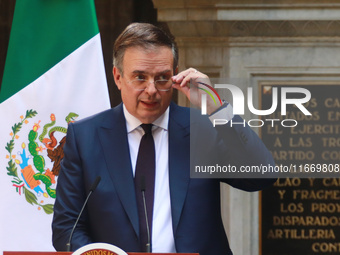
151,88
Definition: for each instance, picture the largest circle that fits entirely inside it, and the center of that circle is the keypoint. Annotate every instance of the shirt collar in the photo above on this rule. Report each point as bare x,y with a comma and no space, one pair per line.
132,122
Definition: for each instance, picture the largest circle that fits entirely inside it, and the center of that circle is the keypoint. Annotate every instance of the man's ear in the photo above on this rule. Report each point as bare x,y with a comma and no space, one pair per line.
176,71
117,77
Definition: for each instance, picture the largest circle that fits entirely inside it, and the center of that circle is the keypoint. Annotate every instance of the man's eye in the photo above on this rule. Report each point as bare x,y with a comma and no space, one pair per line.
163,77
139,77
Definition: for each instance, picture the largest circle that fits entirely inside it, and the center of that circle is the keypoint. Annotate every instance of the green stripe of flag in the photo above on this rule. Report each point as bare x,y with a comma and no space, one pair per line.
43,33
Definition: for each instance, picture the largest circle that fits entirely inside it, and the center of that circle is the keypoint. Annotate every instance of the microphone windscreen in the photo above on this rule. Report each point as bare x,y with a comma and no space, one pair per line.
142,183
95,183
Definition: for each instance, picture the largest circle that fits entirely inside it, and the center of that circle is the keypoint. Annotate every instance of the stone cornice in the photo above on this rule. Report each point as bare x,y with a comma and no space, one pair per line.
244,4
190,42
227,10
287,28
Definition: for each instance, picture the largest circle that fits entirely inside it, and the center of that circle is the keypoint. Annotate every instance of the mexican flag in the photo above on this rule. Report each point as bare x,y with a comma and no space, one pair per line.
54,75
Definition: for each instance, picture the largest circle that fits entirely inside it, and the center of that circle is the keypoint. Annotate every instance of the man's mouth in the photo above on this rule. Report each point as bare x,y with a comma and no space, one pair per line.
149,104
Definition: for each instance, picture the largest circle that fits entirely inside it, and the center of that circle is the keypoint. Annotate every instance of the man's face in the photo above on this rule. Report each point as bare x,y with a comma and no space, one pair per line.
152,64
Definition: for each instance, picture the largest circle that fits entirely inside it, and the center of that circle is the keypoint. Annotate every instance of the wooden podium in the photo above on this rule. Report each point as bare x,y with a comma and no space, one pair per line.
93,248
35,253
68,253
97,248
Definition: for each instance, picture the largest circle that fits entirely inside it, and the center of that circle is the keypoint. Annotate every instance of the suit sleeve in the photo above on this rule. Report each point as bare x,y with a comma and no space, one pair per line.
71,195
245,149
234,145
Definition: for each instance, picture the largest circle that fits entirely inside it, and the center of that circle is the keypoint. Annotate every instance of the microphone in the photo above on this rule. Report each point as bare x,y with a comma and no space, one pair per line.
142,188
92,189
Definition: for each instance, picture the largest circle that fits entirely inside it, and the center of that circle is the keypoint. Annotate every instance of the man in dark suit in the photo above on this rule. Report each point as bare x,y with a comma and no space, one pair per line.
186,213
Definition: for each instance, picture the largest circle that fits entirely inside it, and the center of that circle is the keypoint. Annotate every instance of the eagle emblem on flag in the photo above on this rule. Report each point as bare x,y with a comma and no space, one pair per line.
34,154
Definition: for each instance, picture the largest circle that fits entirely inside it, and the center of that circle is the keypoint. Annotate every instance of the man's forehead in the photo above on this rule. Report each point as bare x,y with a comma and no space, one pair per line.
166,71
137,57
148,48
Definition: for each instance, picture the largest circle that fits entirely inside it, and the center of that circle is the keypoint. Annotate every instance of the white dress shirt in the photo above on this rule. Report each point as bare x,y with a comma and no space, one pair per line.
162,233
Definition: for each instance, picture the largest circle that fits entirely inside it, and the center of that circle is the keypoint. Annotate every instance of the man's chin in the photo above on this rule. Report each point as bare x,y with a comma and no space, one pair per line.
149,116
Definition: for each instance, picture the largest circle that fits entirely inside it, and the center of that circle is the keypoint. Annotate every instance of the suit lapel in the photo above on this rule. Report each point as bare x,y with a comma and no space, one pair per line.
113,137
179,163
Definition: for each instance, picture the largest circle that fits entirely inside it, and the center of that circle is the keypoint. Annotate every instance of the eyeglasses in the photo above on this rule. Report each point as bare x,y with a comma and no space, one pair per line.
142,84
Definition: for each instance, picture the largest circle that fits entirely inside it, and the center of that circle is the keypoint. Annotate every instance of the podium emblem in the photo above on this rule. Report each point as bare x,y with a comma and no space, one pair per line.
100,249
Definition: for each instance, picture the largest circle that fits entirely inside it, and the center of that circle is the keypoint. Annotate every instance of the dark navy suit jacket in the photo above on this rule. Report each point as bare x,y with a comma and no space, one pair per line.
98,146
